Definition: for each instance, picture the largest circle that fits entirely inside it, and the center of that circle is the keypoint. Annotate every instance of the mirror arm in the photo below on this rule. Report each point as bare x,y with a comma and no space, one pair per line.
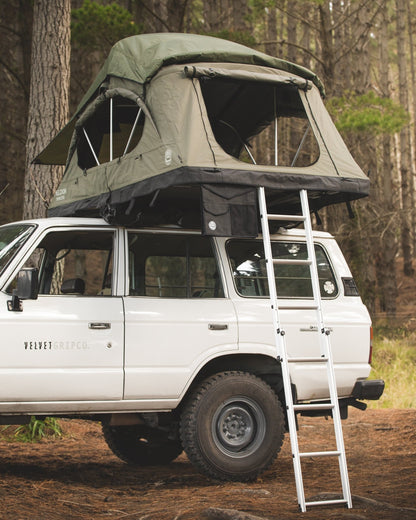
15,304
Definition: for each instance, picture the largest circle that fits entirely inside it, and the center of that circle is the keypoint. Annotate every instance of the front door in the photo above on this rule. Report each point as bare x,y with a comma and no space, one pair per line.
68,344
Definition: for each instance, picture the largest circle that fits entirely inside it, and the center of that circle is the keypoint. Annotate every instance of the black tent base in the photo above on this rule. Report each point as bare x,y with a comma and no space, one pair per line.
219,210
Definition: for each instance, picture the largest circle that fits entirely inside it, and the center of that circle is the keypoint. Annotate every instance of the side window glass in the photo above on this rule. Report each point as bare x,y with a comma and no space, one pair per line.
114,129
172,266
292,281
74,263
12,239
260,123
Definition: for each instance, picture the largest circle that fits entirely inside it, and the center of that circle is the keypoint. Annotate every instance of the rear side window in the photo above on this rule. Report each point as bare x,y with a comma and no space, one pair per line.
172,266
248,265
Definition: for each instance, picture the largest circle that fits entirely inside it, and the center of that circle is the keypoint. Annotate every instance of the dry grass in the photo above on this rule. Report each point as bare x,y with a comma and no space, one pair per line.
394,360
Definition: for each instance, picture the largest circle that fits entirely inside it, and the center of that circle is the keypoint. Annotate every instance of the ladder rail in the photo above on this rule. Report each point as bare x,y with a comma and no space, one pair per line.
324,345
326,350
281,348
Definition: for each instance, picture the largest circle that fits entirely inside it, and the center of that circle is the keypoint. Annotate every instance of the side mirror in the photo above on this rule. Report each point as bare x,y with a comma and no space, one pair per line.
27,288
27,283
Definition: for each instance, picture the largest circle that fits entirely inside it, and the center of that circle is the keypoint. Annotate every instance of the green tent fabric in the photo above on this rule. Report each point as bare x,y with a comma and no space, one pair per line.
135,60
170,115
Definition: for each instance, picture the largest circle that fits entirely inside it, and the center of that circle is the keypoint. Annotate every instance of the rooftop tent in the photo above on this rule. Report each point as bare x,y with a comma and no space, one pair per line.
178,123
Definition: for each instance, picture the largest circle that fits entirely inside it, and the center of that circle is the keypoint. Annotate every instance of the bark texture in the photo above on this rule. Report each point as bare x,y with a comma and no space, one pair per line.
15,38
405,143
48,101
387,194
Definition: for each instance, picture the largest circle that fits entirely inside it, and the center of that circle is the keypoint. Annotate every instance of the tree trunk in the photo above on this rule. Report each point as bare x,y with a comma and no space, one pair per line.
239,12
48,101
327,45
292,31
15,38
216,15
405,143
410,22
271,31
386,193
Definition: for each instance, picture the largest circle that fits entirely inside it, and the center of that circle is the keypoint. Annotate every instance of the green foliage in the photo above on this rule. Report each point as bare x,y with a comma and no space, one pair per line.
367,113
394,360
95,26
242,37
36,430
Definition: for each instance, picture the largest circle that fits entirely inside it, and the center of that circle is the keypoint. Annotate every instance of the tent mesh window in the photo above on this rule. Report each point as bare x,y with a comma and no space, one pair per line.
113,130
259,123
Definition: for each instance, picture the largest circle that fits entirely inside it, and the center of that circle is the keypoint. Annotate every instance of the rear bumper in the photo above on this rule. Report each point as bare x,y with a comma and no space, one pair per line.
368,389
363,389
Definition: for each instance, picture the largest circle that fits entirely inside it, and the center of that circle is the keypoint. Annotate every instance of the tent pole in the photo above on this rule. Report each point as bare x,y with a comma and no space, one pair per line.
132,131
302,142
247,149
111,129
276,158
91,148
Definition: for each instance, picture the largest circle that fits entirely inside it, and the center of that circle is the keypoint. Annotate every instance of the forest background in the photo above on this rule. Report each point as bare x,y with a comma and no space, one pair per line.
363,50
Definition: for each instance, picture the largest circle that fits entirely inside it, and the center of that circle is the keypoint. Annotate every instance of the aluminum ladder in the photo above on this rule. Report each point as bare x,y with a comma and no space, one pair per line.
325,352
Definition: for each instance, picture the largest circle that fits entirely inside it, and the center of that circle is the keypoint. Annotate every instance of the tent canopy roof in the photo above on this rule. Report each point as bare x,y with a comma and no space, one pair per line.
138,58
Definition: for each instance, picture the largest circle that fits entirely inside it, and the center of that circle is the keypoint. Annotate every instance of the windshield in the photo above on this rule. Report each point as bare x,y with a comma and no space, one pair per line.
12,239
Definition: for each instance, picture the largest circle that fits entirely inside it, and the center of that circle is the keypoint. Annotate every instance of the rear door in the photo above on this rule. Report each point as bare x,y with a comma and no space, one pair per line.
177,314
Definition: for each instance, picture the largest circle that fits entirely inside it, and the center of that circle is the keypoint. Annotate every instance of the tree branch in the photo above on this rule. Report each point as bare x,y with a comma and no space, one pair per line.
10,30
155,15
16,77
352,13
285,42
359,37
4,189
297,17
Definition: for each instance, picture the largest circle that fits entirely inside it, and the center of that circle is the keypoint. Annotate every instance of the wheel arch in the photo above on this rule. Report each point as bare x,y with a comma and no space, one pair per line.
260,365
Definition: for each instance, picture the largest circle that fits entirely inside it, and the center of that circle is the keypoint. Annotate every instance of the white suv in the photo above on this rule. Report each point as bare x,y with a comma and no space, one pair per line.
166,337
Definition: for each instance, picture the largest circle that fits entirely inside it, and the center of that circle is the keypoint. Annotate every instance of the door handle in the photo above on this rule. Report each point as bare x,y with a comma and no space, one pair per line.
313,328
217,326
99,326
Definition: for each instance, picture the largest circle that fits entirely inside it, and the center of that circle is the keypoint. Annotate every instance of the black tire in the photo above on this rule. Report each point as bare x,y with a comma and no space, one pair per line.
232,426
140,445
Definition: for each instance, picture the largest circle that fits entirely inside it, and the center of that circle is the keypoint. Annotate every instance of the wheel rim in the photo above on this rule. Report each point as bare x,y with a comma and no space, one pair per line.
238,427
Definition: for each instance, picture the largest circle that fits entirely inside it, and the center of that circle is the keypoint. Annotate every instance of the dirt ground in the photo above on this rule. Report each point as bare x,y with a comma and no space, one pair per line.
77,477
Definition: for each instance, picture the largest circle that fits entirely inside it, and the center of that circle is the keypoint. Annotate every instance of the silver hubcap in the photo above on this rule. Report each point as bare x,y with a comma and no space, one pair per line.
238,427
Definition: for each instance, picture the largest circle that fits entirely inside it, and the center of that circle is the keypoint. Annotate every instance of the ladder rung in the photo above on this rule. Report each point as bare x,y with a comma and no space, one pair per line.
326,502
313,406
288,261
293,218
307,360
320,454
